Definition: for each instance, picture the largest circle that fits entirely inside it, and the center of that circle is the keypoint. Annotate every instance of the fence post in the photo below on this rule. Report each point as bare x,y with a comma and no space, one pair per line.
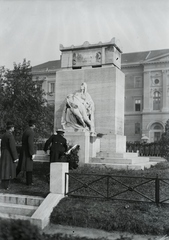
57,177
157,190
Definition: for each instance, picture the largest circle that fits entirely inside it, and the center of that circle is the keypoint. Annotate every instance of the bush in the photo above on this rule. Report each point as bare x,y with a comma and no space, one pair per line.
72,158
24,230
69,237
18,230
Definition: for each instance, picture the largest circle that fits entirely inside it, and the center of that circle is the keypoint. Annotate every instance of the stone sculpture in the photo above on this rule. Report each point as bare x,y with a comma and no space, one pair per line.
78,111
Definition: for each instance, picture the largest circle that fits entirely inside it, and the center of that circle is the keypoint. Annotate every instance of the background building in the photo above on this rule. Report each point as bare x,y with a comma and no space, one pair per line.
46,72
146,91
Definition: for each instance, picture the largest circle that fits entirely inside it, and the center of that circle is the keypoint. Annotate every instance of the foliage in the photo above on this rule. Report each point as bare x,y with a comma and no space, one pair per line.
24,230
61,236
18,229
22,99
72,158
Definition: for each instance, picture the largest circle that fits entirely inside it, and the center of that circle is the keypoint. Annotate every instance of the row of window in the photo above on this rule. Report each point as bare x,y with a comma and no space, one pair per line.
138,82
156,99
156,102
51,85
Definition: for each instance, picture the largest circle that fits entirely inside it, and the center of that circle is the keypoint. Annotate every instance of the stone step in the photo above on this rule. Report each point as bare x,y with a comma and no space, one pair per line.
17,209
157,159
40,152
14,216
21,199
41,158
116,155
138,166
135,160
130,154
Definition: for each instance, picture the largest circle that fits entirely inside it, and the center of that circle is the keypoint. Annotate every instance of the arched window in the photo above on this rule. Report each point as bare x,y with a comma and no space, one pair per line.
156,100
156,131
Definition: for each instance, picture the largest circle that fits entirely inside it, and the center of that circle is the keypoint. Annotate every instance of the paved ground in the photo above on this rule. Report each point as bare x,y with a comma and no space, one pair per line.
94,233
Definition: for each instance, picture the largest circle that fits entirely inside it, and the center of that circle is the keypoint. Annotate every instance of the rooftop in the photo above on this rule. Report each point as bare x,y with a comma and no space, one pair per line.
127,58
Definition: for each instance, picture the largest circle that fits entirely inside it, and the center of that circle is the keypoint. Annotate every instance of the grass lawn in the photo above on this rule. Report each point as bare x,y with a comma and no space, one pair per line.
109,215
40,187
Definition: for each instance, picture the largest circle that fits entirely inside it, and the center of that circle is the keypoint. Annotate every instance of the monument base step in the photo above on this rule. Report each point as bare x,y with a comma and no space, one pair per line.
41,158
112,154
119,166
157,159
134,160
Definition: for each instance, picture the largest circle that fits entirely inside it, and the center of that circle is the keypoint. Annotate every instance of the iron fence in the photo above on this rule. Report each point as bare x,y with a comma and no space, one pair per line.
147,149
113,187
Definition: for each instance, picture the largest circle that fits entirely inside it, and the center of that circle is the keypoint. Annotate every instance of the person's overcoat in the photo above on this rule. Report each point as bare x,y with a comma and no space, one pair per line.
27,150
58,145
8,155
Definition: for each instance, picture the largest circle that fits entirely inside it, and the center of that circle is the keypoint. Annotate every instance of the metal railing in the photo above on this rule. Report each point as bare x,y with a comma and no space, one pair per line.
112,187
147,149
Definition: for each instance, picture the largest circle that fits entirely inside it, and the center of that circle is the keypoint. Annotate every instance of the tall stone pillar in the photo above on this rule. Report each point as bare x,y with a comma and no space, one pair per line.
165,106
146,101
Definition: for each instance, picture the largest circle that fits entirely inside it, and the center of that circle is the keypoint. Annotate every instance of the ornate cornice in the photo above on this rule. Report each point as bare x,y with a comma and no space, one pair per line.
87,45
137,64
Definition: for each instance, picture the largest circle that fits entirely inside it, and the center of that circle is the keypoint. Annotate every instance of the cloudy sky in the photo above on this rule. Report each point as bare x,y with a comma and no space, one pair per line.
33,29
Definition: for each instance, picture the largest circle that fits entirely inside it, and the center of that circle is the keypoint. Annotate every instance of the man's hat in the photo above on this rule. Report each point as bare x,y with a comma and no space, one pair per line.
60,131
31,122
9,124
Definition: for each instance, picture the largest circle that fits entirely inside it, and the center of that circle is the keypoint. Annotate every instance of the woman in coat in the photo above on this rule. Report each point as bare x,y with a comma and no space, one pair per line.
9,156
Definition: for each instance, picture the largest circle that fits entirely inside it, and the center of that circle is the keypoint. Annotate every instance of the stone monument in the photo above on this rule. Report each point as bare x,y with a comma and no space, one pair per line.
91,75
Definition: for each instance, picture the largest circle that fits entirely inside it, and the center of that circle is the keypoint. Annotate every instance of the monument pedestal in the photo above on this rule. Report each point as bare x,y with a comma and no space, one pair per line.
114,143
83,139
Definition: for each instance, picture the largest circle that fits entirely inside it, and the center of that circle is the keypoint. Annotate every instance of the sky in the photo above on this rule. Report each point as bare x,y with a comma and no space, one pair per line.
34,29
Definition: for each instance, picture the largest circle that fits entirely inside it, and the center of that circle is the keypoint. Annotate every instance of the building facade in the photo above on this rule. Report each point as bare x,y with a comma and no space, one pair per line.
146,91
46,73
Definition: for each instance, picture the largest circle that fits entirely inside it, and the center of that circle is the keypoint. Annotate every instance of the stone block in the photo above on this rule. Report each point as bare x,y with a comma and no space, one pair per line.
81,138
41,216
57,177
94,146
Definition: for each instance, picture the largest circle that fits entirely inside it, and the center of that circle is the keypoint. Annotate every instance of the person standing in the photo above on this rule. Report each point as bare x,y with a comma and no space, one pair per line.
57,144
27,153
9,156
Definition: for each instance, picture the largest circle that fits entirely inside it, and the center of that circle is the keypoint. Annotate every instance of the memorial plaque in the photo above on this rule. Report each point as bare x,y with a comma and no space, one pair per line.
86,57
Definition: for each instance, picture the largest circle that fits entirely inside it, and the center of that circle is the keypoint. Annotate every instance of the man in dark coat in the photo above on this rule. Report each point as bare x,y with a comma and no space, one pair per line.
9,156
27,153
57,144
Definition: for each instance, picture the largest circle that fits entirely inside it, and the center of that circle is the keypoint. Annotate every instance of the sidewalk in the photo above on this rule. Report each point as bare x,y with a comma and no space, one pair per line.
94,233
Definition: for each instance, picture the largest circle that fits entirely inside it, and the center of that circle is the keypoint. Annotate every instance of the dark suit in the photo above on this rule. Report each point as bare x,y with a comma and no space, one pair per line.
58,145
8,155
25,158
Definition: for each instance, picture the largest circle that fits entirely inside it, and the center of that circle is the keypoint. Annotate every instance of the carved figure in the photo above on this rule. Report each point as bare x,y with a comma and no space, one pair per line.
79,110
